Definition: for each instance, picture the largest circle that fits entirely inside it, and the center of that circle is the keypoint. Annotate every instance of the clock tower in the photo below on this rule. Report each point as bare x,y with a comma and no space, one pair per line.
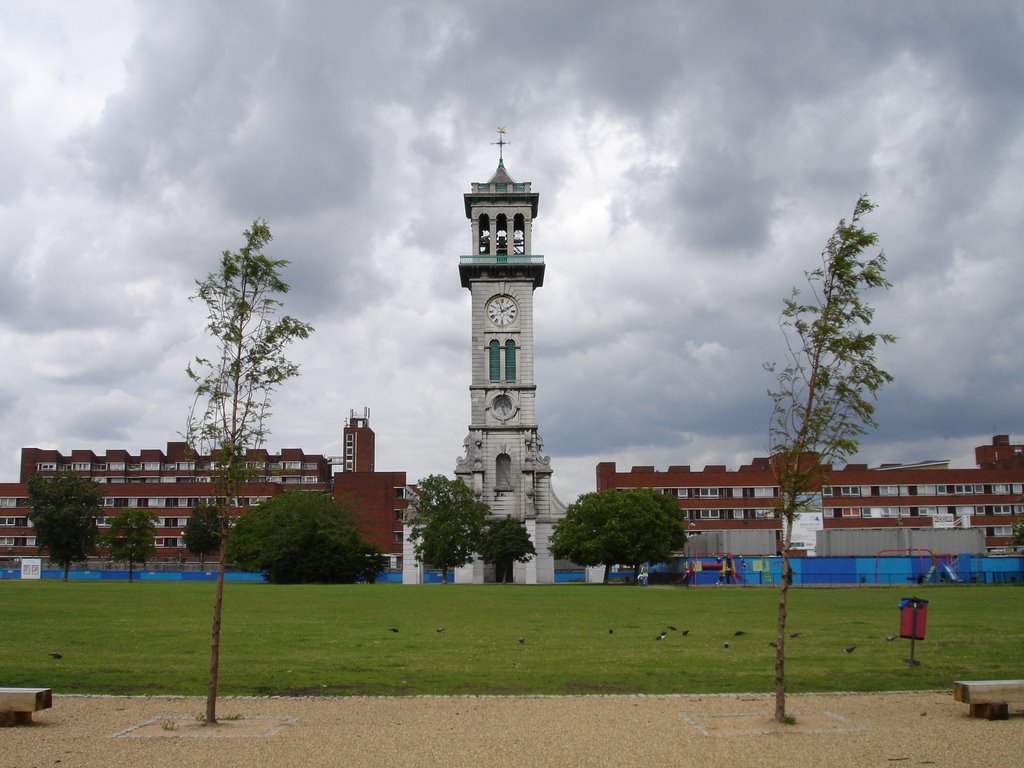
503,462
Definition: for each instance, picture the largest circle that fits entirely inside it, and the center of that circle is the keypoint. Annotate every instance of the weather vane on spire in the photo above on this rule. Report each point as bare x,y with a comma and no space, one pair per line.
501,143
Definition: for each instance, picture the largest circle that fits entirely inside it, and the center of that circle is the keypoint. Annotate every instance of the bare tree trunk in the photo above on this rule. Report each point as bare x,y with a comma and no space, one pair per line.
780,640
218,601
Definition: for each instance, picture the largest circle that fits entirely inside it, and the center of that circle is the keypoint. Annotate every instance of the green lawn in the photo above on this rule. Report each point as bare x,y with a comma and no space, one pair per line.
336,640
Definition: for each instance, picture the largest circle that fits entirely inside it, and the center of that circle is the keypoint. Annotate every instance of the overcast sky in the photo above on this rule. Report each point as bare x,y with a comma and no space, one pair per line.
691,158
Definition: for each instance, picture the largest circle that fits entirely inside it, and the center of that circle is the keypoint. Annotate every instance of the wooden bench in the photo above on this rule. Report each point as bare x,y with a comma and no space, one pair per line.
989,698
18,704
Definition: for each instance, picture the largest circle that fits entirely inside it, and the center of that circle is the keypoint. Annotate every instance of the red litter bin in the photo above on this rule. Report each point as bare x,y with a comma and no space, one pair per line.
913,617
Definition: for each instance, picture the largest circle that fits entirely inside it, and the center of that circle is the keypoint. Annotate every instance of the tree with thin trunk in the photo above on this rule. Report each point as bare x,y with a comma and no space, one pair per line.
629,526
130,538
505,542
446,523
825,392
64,511
233,388
202,531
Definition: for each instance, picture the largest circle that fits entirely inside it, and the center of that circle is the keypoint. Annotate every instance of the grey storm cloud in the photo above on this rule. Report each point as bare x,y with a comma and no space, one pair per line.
691,160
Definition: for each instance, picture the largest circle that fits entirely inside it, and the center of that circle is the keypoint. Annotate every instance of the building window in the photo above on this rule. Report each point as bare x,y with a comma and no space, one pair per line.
510,360
1002,530
707,493
961,490
888,490
709,514
46,466
849,490
494,360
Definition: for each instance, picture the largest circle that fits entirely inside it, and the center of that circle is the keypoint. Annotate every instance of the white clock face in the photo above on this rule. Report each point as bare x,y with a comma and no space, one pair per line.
502,310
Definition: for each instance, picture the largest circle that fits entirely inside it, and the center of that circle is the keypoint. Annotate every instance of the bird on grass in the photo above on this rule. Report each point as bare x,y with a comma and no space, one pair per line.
522,640
849,649
392,629
773,644
725,645
671,627
611,631
662,636
440,629
890,638
796,634
686,631
738,632
56,655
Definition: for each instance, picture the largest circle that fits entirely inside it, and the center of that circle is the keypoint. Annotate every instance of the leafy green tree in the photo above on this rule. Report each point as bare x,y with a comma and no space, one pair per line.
825,392
1018,534
630,527
202,531
130,537
506,541
300,537
233,388
64,511
446,523
374,563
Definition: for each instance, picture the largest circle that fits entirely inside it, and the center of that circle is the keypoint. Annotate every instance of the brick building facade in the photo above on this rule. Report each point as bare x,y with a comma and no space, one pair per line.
921,495
170,483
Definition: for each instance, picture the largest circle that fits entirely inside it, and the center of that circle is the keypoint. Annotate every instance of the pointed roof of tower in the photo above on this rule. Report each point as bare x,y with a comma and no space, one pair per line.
501,175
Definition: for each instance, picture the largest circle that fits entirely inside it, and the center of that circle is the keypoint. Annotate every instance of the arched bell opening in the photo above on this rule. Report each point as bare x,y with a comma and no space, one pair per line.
519,234
502,235
485,234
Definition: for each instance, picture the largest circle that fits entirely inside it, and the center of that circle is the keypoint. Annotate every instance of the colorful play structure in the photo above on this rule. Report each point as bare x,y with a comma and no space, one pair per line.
940,568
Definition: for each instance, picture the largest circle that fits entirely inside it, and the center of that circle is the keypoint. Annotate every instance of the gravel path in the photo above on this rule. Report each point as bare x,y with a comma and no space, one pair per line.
833,730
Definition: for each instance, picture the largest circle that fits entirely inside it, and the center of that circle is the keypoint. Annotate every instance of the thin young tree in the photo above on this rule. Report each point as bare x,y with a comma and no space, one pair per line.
446,523
130,538
824,400
64,511
233,388
202,531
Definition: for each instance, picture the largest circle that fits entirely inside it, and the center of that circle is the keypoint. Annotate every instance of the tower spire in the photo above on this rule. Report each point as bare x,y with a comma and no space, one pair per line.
501,144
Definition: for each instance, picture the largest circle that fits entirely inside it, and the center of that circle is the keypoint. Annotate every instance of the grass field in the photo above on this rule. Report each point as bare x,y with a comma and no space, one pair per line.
576,639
